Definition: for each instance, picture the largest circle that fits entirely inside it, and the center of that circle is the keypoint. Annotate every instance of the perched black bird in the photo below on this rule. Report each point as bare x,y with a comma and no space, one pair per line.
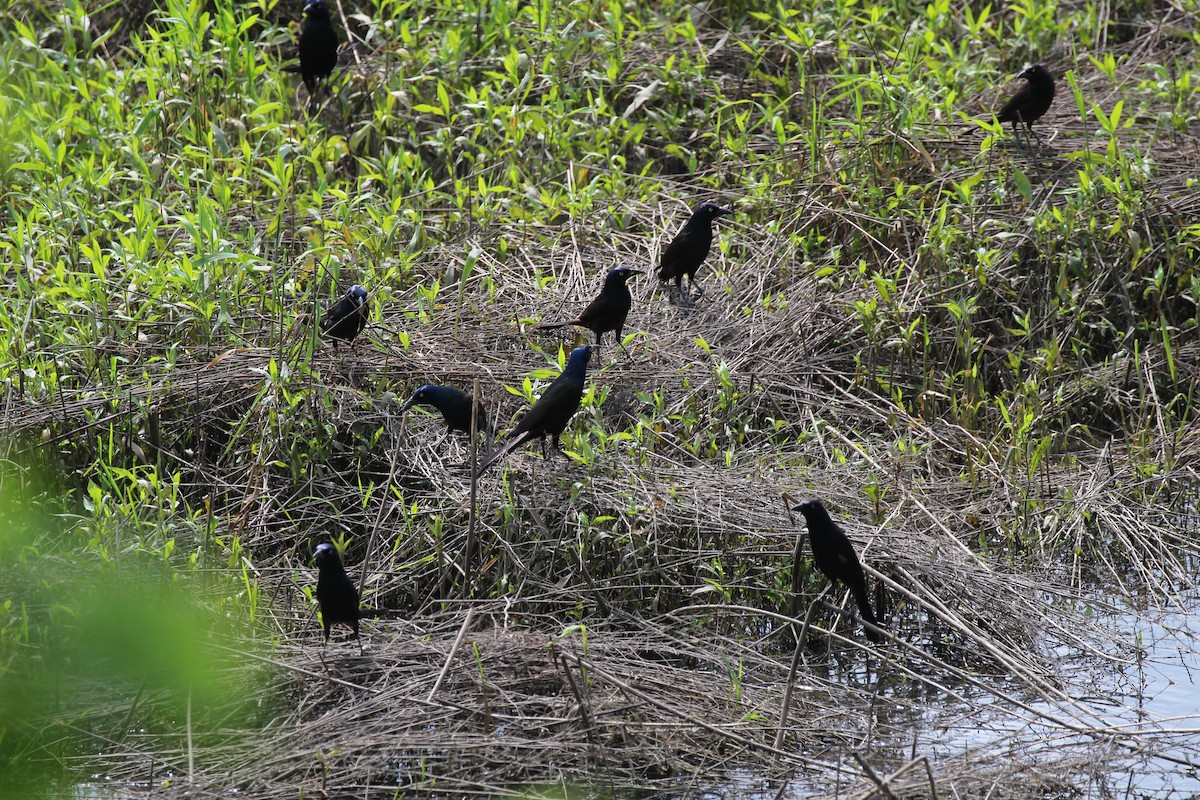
552,411
336,595
689,248
345,320
455,405
835,557
318,46
608,311
1031,101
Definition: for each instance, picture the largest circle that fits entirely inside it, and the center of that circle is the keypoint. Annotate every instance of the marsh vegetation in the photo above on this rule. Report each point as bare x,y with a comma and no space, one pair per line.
981,352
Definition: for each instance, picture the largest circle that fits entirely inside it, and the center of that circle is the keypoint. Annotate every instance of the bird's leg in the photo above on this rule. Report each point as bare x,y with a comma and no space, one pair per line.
677,296
675,293
313,98
1036,135
685,298
1037,163
1021,138
620,344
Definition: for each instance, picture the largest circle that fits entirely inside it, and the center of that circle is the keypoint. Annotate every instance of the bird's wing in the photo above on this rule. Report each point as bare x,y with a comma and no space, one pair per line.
332,315
599,310
1009,111
674,252
847,559
564,393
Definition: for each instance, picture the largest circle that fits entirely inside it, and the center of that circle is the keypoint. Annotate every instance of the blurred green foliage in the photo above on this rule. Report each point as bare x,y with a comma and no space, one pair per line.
100,643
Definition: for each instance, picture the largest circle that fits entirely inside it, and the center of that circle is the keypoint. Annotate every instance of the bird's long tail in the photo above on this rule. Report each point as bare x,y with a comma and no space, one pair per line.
864,608
500,452
553,325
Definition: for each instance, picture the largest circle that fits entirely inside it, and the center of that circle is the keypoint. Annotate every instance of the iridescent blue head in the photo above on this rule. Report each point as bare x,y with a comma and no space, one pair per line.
618,275
326,554
577,363
430,394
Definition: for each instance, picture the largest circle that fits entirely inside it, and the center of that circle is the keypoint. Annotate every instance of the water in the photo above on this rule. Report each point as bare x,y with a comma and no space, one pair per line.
1151,703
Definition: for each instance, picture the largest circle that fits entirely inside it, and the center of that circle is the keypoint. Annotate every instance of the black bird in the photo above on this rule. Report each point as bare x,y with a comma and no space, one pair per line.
1031,101
336,595
455,405
318,46
610,308
690,247
552,411
835,557
345,320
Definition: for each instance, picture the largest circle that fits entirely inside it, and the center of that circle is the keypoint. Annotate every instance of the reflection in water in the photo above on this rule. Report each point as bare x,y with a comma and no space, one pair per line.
1152,704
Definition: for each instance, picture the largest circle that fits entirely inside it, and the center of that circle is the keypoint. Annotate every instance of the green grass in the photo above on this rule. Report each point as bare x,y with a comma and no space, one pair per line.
169,212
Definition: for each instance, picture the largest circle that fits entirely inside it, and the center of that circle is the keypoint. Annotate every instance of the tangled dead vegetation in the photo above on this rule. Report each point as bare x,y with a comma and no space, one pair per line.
628,605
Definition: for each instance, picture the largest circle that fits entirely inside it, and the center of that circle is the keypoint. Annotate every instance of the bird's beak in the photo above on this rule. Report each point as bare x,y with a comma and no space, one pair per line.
798,507
724,211
412,401
633,272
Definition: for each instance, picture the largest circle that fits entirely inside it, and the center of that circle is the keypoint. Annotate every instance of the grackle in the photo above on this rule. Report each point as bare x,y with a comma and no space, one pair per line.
318,46
608,311
455,405
835,557
336,595
552,411
345,320
1031,101
689,248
